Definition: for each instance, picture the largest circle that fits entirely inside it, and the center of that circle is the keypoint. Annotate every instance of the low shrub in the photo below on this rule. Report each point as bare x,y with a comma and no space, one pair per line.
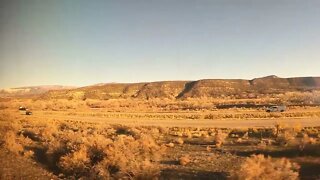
76,163
258,167
184,160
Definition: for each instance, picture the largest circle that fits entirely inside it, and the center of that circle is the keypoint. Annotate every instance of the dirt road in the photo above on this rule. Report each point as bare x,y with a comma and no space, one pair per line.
220,123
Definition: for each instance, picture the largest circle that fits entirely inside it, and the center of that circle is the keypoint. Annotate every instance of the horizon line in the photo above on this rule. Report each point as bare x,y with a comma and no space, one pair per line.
103,83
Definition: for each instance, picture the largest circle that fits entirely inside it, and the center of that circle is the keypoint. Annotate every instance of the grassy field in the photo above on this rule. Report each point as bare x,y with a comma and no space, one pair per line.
105,143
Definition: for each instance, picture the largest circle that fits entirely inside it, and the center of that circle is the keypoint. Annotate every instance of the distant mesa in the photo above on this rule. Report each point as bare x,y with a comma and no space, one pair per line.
269,77
206,88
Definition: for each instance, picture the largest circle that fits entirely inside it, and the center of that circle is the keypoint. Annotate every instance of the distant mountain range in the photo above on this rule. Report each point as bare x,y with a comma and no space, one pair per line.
31,90
205,88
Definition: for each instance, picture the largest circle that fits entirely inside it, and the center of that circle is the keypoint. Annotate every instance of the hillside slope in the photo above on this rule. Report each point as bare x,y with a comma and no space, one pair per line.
206,88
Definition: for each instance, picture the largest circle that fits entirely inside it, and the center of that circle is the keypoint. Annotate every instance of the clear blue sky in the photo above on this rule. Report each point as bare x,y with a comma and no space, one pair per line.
83,42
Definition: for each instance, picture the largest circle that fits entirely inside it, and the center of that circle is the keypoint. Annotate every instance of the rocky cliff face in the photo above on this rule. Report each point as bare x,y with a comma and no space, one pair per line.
206,88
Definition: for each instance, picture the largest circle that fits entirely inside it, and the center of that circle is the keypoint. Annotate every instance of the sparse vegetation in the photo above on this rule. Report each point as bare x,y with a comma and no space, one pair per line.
87,147
94,152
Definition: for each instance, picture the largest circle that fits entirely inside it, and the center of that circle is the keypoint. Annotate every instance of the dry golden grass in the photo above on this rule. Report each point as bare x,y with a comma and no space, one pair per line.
172,105
94,150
